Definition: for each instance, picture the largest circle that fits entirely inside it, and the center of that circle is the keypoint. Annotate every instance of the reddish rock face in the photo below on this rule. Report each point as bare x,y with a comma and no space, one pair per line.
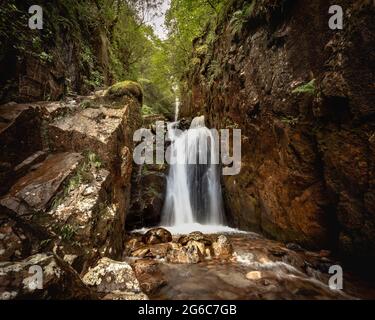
307,158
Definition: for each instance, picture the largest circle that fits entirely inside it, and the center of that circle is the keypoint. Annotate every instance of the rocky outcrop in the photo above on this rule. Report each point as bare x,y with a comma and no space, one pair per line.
305,108
42,276
71,191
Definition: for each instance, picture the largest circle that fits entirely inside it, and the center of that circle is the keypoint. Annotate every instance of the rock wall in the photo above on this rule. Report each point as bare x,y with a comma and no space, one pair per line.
69,55
66,180
303,96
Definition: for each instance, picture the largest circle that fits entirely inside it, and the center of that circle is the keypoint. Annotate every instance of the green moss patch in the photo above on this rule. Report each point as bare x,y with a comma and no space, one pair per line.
126,88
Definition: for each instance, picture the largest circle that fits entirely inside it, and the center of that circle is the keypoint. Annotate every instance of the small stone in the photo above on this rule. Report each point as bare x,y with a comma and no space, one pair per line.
254,275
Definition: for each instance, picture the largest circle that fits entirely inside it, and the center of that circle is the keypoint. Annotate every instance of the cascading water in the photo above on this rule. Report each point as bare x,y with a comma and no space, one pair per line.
193,186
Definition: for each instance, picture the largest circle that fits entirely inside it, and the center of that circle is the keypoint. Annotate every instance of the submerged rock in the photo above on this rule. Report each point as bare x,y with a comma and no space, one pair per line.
195,236
157,235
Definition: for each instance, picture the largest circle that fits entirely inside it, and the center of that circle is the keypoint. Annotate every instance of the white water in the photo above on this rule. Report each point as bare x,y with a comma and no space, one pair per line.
177,109
187,228
193,197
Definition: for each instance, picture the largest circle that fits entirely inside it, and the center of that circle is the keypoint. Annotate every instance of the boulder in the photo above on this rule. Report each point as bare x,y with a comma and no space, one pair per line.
42,276
195,236
222,247
188,255
112,277
157,235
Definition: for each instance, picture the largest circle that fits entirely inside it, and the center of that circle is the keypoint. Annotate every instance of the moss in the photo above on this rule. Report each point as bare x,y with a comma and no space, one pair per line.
126,88
306,88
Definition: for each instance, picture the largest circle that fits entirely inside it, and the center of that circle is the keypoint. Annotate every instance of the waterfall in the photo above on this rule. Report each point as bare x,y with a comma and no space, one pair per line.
177,109
193,190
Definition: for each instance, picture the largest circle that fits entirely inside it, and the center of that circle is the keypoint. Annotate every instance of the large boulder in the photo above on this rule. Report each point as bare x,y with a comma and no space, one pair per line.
42,276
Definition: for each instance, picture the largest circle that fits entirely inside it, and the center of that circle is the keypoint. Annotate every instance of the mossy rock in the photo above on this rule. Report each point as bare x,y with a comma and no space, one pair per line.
126,88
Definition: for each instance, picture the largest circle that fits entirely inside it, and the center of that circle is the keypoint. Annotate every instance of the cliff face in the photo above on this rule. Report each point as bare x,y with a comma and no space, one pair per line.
69,55
303,96
68,191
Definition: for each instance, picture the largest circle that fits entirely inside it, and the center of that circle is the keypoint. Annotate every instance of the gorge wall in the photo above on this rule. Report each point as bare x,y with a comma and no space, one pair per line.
66,172
303,96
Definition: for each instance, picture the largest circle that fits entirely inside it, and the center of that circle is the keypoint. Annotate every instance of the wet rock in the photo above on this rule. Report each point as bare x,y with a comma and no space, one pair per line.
192,244
149,276
110,277
195,236
188,255
157,235
222,247
18,280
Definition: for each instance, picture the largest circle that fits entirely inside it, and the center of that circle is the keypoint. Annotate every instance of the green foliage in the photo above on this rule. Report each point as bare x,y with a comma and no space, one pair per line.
306,88
93,160
67,232
214,71
187,20
147,111
240,17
